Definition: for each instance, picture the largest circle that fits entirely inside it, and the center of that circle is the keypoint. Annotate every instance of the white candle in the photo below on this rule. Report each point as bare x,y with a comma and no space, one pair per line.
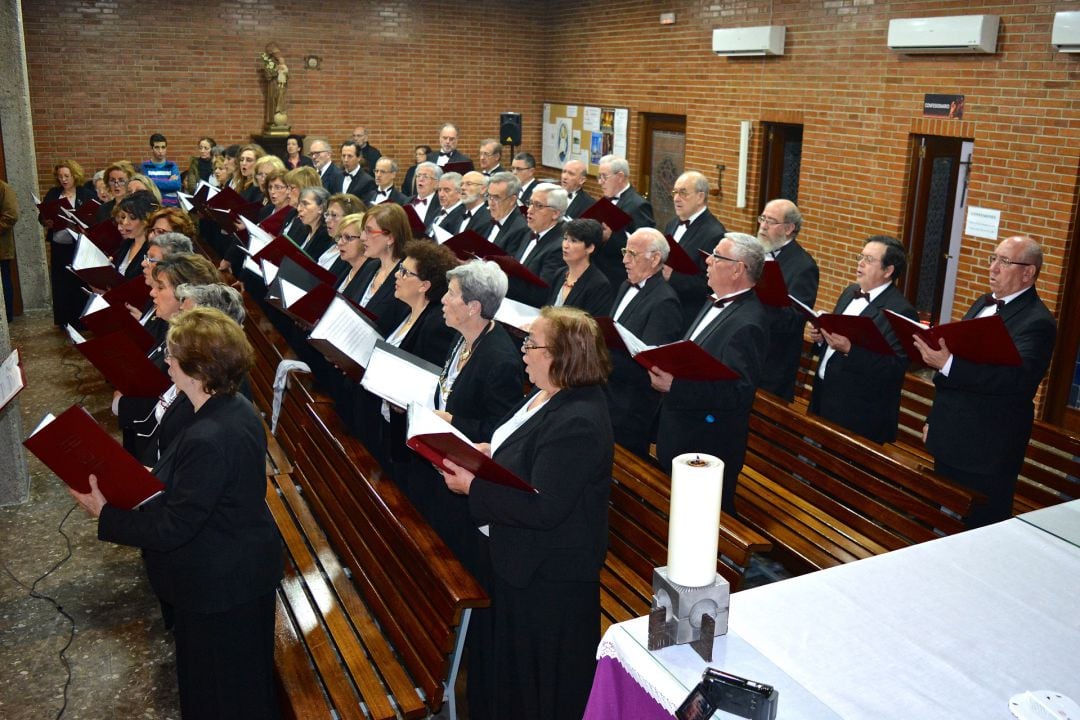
694,521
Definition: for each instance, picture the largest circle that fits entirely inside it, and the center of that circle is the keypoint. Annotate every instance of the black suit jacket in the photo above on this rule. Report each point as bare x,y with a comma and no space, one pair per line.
592,292
703,234
135,266
318,244
371,156
565,451
608,257
361,185
408,183
331,179
488,386
388,310
653,316
514,231
396,196
527,191
713,417
497,169
861,390
982,414
545,261
786,324
210,542
582,201
452,219
479,221
430,211
455,157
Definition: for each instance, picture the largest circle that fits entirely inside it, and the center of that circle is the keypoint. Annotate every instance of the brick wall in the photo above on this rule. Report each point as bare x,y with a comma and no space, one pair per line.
194,71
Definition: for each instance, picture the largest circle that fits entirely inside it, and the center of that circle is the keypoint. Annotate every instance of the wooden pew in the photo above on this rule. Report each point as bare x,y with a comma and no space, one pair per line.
825,497
637,539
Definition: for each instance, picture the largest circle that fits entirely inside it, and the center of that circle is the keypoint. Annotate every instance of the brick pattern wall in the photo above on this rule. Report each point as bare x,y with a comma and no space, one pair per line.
106,74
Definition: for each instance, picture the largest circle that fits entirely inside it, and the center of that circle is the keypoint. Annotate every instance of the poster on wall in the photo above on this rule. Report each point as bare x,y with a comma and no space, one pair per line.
585,133
946,106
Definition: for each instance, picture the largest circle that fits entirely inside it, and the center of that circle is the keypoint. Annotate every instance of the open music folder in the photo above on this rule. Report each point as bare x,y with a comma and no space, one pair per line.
345,336
92,265
983,340
607,213
74,446
678,259
685,360
861,330
399,377
122,363
771,289
437,440
298,293
101,318
12,378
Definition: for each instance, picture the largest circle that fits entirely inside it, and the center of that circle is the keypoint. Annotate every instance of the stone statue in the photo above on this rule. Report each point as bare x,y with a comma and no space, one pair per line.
276,73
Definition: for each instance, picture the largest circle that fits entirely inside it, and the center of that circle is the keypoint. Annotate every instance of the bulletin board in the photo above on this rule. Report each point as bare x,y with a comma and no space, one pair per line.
583,132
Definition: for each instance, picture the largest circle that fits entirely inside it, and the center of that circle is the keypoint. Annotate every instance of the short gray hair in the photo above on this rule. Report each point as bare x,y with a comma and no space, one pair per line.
435,169
215,295
617,164
701,183
393,163
172,242
322,195
483,281
557,198
492,141
454,178
657,242
513,185
749,251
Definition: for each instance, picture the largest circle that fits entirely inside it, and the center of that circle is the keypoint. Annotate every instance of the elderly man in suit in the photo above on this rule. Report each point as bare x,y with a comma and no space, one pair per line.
778,225
614,179
509,229
855,387
979,426
448,152
384,190
697,231
714,416
573,177
473,192
646,306
323,158
490,157
426,202
541,252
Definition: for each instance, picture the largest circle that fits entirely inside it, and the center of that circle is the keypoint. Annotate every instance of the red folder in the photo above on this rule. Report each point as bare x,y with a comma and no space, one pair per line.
276,221
469,244
458,167
437,447
861,330
116,318
611,336
678,259
281,247
416,223
50,210
104,276
606,212
88,210
513,268
135,292
980,340
307,310
771,288
106,236
73,446
227,206
124,366
686,361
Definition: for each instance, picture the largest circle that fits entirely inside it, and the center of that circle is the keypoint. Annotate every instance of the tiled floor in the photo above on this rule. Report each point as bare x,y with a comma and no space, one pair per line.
120,656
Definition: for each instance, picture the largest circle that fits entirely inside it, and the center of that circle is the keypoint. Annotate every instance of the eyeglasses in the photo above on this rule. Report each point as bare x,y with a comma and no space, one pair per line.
118,181
766,220
684,193
369,231
495,198
604,177
717,257
528,345
1004,261
331,216
518,169
151,261
535,205
634,254
472,183
424,176
484,153
343,238
276,187
319,152
868,259
404,272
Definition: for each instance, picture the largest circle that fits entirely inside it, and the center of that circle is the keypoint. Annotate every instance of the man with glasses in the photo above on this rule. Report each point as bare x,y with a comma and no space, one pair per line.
541,252
646,306
714,416
475,216
979,426
573,177
614,179
508,226
448,152
384,190
778,225
490,157
857,388
524,168
331,175
370,155
697,231
426,201
452,211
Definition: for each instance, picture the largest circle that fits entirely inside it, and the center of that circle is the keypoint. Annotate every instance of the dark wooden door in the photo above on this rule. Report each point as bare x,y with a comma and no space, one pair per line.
663,159
781,161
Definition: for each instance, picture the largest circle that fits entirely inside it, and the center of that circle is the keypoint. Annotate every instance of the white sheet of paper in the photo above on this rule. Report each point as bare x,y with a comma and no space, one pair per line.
341,326
10,377
87,254
517,314
633,343
290,293
399,381
424,421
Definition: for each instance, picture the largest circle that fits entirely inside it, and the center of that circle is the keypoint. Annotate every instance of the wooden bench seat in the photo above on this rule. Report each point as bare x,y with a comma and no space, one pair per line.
825,497
637,539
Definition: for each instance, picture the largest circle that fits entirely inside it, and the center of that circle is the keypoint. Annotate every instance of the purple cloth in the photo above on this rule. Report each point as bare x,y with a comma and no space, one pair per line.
616,696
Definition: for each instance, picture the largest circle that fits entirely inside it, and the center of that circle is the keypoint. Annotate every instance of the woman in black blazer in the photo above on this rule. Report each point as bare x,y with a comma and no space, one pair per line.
580,284
210,545
132,215
68,301
547,547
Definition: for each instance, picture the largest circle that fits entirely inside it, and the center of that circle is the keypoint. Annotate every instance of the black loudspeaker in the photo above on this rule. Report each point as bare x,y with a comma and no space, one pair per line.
510,129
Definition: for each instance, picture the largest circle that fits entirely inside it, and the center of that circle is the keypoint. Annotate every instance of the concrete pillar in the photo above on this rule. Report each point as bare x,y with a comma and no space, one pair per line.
33,271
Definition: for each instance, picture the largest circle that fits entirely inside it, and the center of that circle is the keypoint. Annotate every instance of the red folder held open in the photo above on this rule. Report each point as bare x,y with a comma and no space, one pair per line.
983,340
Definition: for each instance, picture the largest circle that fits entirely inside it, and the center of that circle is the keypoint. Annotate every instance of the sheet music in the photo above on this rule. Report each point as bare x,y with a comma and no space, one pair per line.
74,334
185,201
257,237
400,380
633,343
424,421
96,302
517,314
806,308
269,271
87,254
346,329
49,417
290,293
11,381
898,316
250,266
441,234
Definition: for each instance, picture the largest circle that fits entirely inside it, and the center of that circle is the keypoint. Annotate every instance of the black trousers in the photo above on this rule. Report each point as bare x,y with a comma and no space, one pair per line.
225,662
998,487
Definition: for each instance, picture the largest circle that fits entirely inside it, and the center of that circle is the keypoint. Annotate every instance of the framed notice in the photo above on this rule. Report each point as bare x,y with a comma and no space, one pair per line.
583,132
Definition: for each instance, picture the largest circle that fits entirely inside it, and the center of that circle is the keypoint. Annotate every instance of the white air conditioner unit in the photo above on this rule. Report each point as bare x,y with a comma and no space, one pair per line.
1066,33
956,34
748,41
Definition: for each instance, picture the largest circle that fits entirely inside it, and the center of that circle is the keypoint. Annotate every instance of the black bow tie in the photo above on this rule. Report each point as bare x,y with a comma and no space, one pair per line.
497,224
991,300
534,236
570,197
468,214
860,294
447,154
386,192
419,201
723,301
487,173
774,254
685,223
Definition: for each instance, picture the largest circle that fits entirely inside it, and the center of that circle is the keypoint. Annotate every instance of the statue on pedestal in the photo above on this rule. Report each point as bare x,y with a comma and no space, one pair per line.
276,73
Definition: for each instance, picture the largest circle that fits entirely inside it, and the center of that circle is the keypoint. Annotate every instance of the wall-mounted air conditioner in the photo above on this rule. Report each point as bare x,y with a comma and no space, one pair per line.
956,34
1066,33
748,41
